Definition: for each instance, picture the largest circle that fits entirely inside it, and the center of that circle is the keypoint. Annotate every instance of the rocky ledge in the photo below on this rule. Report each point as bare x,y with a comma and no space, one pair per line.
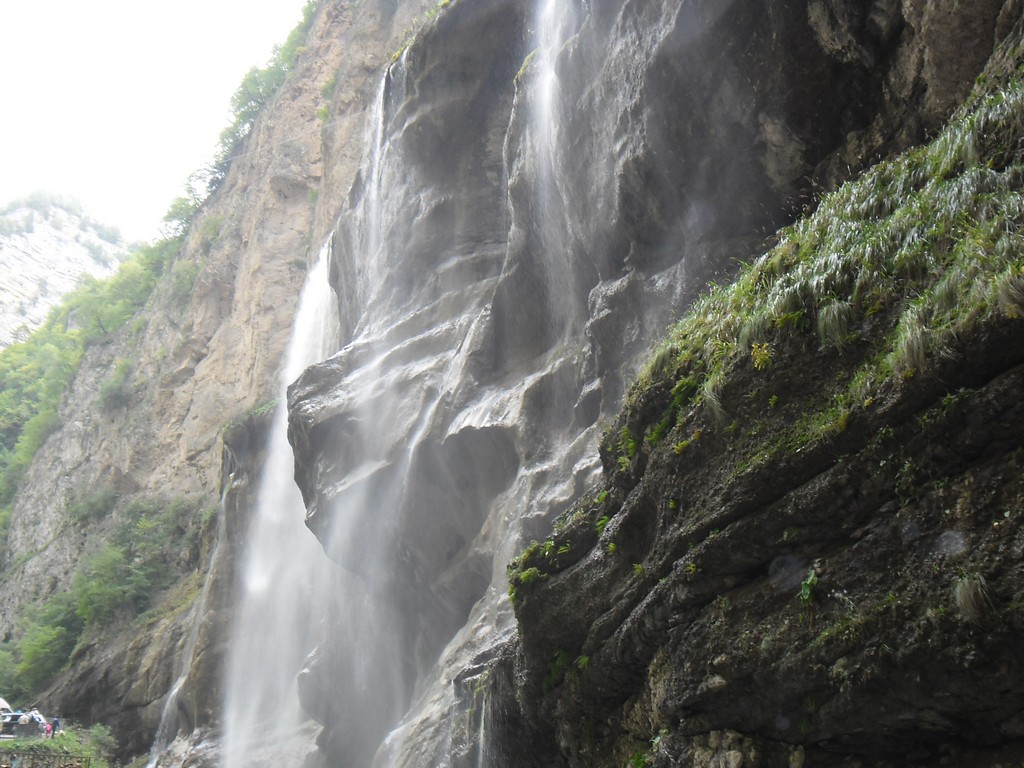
808,546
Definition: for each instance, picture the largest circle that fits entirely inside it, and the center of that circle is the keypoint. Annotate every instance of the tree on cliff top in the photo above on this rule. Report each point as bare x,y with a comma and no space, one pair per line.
258,86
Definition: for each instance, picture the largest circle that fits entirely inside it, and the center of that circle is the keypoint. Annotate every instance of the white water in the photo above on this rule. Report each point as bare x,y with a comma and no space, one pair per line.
554,23
394,509
446,718
169,721
283,567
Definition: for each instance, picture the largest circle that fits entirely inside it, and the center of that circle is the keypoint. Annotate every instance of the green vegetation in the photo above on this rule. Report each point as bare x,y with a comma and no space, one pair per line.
210,232
181,212
556,671
525,66
116,391
529,575
48,634
34,374
526,569
324,109
901,264
638,759
410,32
116,580
183,280
682,445
761,354
93,507
257,88
92,748
263,411
627,448
806,593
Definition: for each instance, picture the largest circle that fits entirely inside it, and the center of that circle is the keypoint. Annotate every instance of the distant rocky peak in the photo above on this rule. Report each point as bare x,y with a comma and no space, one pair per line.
46,244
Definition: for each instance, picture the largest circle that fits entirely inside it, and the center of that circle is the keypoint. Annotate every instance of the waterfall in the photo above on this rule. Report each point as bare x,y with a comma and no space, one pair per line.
509,476
442,433
367,656
555,22
169,721
283,567
481,734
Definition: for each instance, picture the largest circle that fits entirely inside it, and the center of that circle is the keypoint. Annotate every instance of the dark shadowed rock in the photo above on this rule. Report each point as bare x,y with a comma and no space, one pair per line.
499,276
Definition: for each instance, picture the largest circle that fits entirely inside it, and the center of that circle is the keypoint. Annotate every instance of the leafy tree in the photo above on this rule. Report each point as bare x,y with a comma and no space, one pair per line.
258,86
179,216
98,587
93,506
48,635
102,739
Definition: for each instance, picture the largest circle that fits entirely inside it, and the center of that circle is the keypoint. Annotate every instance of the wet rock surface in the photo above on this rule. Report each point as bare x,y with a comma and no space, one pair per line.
500,275
462,415
860,598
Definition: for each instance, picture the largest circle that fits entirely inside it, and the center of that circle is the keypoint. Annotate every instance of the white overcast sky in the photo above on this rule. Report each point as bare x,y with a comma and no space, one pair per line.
116,102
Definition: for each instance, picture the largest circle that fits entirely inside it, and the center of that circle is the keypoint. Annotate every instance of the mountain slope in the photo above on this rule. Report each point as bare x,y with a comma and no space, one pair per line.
516,207
46,244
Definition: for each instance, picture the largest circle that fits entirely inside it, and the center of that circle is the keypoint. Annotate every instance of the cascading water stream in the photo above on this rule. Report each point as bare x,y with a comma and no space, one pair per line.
371,626
449,693
482,756
554,23
283,569
169,720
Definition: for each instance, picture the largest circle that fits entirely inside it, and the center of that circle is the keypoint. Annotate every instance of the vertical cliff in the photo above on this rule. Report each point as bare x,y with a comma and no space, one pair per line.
519,199
201,361
543,191
806,543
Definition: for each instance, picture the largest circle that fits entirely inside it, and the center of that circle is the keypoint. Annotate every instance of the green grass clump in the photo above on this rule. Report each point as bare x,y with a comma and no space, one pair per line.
910,258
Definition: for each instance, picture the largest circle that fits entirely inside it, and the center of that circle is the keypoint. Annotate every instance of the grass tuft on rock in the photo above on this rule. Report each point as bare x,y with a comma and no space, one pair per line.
906,261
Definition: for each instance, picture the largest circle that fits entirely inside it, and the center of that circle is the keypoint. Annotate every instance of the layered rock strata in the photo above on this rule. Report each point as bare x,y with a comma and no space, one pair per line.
204,360
526,221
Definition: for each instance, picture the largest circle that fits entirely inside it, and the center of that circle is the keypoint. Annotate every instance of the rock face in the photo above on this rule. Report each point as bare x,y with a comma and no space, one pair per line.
203,359
530,213
518,207
738,593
